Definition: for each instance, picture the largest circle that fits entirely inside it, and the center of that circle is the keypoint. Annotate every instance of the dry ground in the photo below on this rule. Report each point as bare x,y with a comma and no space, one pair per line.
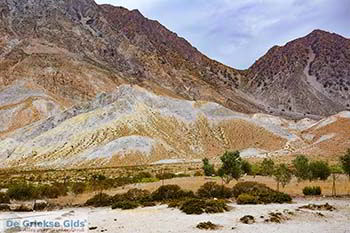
193,183
160,219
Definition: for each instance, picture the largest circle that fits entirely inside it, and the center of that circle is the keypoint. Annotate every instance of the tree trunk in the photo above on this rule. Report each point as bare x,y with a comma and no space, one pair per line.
334,191
278,186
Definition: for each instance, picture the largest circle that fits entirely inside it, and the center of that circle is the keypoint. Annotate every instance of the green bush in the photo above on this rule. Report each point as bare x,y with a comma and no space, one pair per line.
267,167
208,226
213,190
245,199
274,197
249,187
142,175
231,167
175,203
216,206
301,167
169,192
319,170
262,193
165,176
199,206
78,188
138,195
99,200
208,168
125,205
312,191
22,192
49,191
246,167
4,198
26,192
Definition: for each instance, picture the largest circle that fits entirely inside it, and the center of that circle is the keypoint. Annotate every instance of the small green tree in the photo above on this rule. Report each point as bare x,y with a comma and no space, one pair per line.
255,169
267,167
231,166
336,171
345,163
301,167
282,175
319,170
208,168
246,167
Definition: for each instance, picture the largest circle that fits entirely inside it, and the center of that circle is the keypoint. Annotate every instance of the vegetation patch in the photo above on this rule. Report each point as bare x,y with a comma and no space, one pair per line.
4,207
326,207
125,205
248,219
199,206
276,217
22,192
312,191
4,198
26,192
170,192
213,190
99,200
261,193
208,226
78,188
247,199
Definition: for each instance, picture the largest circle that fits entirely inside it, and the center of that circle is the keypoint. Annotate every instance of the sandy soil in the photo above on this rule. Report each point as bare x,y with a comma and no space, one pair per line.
162,219
194,183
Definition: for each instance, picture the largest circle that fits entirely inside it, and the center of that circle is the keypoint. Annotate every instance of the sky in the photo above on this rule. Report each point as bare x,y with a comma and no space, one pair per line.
238,32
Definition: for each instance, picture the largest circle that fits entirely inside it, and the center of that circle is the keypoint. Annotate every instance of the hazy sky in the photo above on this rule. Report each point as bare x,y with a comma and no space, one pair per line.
237,32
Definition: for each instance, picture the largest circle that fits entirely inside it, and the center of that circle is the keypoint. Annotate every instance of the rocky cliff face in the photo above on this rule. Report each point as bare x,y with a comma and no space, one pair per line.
308,76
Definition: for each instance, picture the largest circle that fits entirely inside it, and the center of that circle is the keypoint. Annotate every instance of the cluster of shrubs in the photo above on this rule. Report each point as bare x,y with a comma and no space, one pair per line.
213,190
4,198
256,193
25,192
210,198
312,191
173,195
200,206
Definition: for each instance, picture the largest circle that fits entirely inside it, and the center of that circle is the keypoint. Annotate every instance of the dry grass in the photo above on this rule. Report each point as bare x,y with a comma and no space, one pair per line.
193,183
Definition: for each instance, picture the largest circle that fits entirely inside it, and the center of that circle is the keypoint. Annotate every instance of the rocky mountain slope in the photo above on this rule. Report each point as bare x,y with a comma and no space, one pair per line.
87,84
133,126
309,76
73,50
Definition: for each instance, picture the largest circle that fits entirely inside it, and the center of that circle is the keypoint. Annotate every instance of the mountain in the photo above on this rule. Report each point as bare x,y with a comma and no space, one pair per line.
66,52
309,76
83,84
132,126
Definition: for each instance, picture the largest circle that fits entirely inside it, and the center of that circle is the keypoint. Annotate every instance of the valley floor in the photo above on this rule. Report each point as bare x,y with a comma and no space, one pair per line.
162,219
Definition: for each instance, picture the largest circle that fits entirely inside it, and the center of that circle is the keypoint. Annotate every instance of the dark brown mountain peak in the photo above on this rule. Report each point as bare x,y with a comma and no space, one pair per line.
313,73
125,44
